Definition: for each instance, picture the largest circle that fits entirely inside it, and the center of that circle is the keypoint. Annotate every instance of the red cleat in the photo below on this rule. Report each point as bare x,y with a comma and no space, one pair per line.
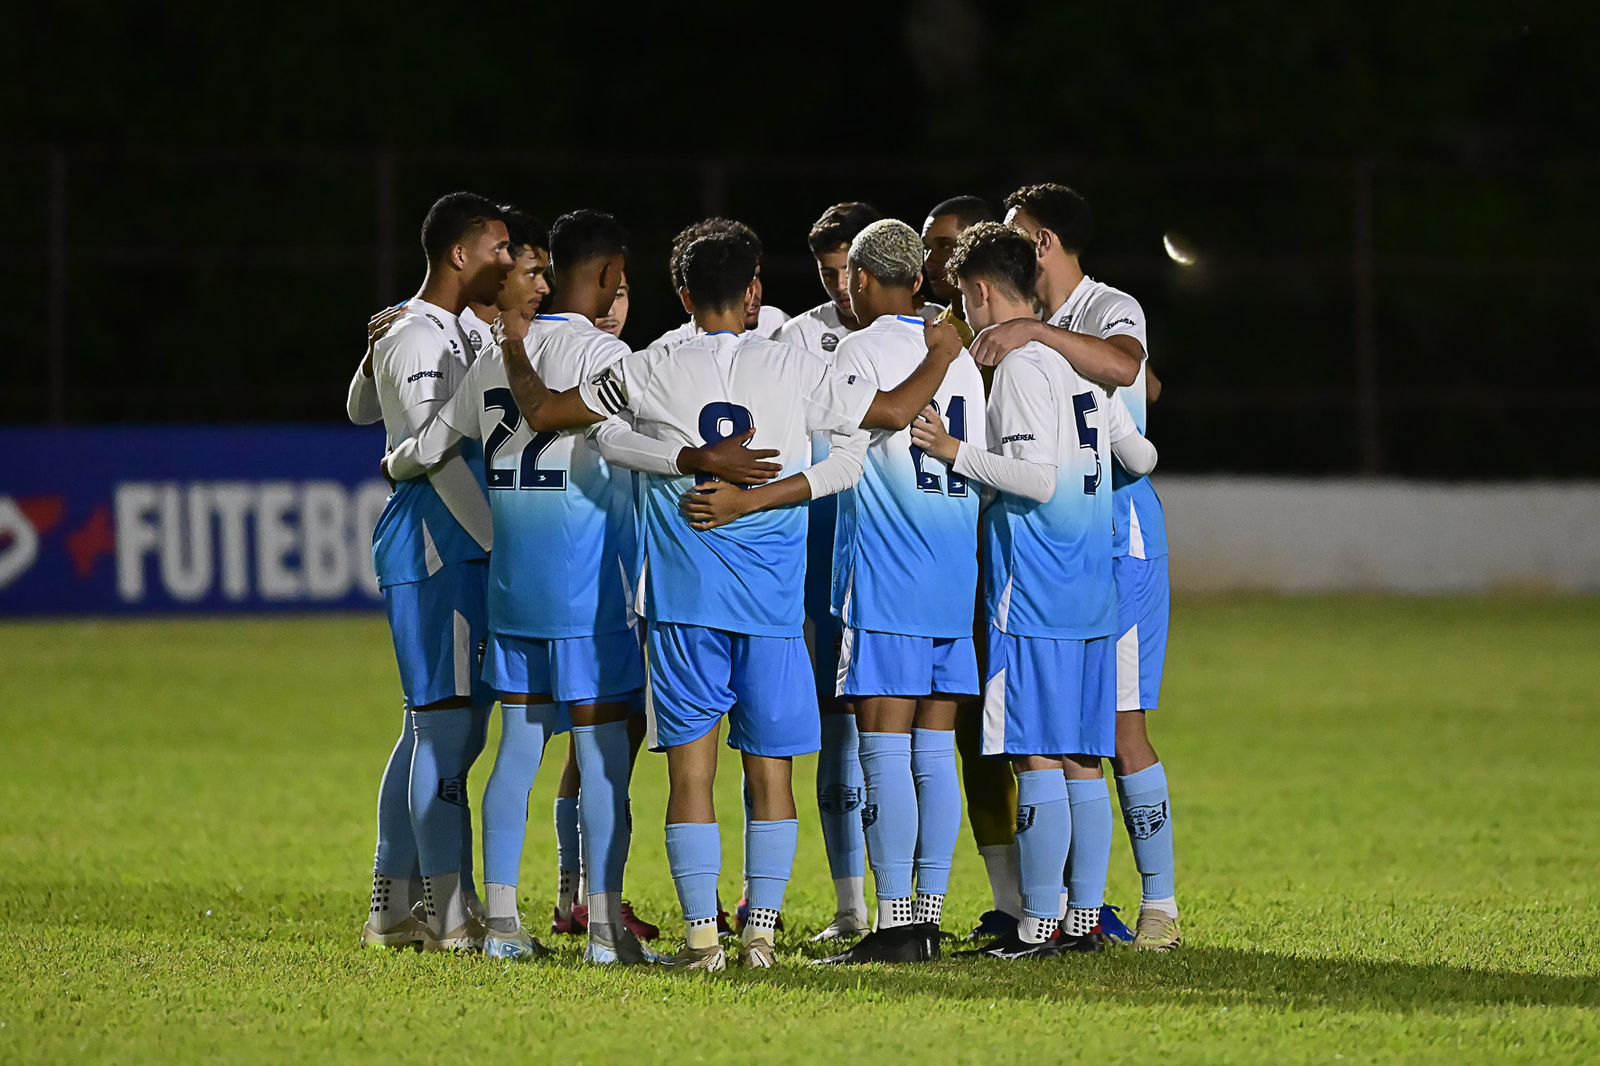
636,925
575,924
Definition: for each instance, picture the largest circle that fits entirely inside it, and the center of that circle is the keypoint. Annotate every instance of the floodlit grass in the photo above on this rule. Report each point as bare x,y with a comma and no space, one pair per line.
1385,813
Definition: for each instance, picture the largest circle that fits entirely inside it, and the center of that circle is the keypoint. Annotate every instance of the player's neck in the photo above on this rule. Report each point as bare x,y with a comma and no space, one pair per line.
847,317
557,306
730,321
1006,310
1061,277
442,292
485,312
895,302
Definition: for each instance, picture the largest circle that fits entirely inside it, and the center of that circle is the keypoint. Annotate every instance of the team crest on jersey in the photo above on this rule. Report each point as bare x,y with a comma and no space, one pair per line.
1025,816
869,815
476,340
1145,822
838,799
435,321
453,790
830,341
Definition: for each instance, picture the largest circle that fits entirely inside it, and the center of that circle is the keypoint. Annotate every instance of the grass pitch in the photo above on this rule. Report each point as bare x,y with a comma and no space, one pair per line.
1385,815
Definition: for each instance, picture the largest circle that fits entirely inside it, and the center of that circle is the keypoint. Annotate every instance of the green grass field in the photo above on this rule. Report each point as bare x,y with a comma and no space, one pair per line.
1385,813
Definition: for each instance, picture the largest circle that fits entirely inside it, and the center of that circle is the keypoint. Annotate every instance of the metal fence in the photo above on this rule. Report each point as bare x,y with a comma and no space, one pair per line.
1369,315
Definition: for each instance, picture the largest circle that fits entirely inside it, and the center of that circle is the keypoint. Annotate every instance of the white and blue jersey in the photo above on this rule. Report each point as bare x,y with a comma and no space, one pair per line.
906,541
1098,310
745,577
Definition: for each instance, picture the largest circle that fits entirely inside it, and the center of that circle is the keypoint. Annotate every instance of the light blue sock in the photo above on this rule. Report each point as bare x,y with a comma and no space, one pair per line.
475,744
1044,831
890,815
524,731
933,765
397,844
438,787
1147,813
769,861
840,792
605,763
567,833
694,852
1089,859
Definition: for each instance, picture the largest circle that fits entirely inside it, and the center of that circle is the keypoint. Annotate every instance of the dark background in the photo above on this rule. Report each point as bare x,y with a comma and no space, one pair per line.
1393,205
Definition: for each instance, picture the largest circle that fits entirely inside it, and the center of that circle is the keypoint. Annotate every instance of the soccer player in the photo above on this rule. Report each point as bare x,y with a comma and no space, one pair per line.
1050,701
428,550
760,317
939,232
616,316
561,636
724,601
1101,331
905,574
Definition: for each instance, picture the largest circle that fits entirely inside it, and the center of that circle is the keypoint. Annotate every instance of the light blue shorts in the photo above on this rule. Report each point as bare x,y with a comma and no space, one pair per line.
439,625
1144,608
892,664
604,668
763,684
1050,697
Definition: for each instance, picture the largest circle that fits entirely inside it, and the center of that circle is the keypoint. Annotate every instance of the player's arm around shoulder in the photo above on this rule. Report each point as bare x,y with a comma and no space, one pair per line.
896,408
547,411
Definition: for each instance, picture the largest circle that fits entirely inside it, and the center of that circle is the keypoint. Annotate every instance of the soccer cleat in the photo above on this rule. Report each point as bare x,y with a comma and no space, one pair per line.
741,915
1157,932
900,943
758,953
993,924
515,946
636,925
1011,947
609,947
467,939
846,925
710,960
407,933
723,928
1089,944
573,924
1112,925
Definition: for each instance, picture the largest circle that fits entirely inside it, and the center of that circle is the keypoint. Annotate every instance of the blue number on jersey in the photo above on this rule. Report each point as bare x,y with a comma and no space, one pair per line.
1083,405
928,481
719,421
533,476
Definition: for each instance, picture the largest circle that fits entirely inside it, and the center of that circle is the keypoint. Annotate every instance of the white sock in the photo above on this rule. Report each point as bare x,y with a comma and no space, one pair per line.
502,900
1082,920
1031,930
445,903
605,908
1168,906
852,895
930,908
566,893
895,912
702,933
391,902
1005,880
1061,914
762,924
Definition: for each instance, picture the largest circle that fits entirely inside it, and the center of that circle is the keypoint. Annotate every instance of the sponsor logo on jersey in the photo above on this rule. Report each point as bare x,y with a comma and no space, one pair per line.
1145,822
1016,437
1124,321
419,375
830,341
434,320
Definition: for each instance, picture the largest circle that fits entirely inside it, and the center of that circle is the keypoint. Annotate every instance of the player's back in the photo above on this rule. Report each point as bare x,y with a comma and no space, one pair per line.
745,577
420,361
1049,572
905,555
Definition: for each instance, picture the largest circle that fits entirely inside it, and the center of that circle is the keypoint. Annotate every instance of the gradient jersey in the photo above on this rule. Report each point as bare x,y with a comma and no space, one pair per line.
745,577
1099,310
563,520
906,542
1049,564
420,361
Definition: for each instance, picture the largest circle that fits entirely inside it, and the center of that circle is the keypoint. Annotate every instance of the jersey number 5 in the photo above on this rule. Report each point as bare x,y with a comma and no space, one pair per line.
927,480
1083,405
719,421
533,476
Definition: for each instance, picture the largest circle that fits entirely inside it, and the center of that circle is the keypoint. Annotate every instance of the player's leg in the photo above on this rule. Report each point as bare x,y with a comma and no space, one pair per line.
396,881
772,831
482,707
933,765
1089,860
841,788
1144,595
990,787
569,860
688,670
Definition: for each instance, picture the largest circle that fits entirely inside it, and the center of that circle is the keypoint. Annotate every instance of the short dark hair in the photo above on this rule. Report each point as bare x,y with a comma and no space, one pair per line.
705,227
1059,210
578,237
524,230
717,269
966,209
997,254
451,218
839,225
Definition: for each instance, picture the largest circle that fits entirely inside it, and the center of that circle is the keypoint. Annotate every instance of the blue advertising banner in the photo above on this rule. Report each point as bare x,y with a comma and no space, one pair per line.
150,520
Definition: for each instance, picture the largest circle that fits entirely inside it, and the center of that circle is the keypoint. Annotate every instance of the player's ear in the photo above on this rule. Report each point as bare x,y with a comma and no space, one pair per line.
458,256
1045,241
685,299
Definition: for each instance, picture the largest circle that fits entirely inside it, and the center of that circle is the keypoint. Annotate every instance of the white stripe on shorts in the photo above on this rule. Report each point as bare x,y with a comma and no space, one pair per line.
650,742
462,641
1128,671
994,714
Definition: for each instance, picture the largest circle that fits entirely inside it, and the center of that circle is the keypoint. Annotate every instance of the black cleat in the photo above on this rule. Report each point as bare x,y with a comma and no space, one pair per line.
1091,944
1012,947
992,924
901,943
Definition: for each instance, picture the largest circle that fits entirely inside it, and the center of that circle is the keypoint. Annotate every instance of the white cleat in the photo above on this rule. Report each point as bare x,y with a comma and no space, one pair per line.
847,925
758,953
407,933
616,946
516,946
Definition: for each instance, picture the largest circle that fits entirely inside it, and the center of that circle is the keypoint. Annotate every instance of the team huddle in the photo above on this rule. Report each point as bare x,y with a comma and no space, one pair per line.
912,520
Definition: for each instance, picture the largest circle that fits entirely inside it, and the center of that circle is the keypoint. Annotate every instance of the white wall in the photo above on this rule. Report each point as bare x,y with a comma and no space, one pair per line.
1251,533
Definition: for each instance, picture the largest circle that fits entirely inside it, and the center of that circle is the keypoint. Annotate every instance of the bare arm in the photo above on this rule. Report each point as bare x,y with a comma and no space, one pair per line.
1113,363
1152,384
895,408
717,503
544,411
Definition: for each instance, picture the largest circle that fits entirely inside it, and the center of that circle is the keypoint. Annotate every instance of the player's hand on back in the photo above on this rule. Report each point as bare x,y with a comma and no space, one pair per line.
733,461
944,342
1001,339
377,327
928,432
714,504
